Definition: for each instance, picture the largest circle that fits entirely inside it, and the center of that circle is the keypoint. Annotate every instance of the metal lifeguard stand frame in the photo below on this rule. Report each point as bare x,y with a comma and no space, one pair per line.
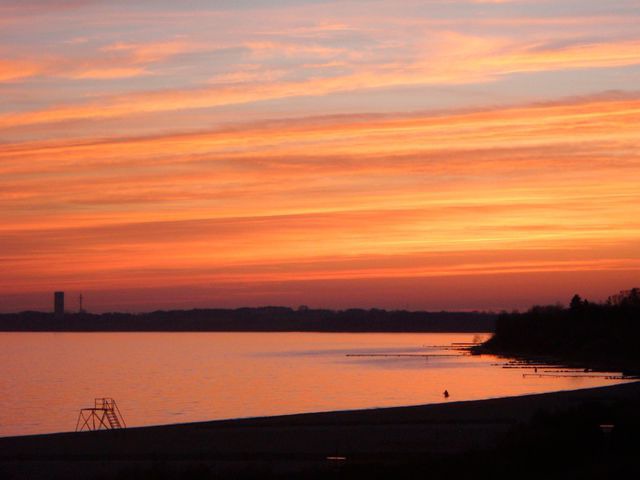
104,413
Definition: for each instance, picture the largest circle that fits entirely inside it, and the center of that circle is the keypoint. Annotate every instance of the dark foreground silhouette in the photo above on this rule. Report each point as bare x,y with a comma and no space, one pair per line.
556,435
265,319
602,336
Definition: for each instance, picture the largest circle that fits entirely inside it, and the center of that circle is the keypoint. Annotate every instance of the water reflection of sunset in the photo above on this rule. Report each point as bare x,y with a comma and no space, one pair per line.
160,378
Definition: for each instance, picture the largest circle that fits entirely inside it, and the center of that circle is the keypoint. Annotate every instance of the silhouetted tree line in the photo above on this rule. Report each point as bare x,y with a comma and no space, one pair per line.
602,335
264,319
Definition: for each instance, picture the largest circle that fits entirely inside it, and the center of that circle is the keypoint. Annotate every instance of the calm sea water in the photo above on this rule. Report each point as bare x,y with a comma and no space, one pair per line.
159,378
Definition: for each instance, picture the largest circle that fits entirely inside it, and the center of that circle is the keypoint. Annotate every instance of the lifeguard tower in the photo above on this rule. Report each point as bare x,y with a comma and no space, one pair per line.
104,414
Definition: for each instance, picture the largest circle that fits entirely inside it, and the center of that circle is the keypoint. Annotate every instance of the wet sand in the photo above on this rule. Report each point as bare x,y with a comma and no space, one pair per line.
289,442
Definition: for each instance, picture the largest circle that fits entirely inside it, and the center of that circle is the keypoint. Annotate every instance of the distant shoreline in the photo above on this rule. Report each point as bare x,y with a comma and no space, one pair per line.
262,319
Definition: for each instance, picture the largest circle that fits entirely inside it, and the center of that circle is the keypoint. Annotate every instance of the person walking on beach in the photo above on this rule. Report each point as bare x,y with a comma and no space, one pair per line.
446,394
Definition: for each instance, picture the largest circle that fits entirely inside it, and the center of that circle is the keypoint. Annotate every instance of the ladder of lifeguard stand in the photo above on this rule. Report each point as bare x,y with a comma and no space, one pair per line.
113,420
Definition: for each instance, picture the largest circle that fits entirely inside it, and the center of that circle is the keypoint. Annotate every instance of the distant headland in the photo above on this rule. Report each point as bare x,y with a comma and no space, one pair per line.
597,335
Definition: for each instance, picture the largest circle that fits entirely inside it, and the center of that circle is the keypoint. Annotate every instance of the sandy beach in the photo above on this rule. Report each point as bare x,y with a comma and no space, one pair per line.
290,442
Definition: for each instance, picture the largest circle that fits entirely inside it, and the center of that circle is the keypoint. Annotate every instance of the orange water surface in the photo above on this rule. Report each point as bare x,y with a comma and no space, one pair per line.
160,378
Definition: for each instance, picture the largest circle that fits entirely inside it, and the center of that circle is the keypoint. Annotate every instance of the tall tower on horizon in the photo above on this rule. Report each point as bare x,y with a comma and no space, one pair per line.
58,305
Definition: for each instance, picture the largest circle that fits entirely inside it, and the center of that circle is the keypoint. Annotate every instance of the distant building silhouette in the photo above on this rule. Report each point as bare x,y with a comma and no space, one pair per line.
58,305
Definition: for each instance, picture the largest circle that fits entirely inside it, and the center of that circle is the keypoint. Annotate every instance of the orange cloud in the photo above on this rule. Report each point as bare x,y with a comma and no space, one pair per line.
13,70
548,188
460,59
593,119
107,72
151,52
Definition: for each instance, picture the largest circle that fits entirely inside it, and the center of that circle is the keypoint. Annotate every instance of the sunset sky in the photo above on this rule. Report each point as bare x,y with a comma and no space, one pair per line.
434,154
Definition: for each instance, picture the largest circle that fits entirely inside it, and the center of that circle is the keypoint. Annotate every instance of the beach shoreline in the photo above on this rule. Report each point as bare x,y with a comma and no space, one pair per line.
314,416
297,440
